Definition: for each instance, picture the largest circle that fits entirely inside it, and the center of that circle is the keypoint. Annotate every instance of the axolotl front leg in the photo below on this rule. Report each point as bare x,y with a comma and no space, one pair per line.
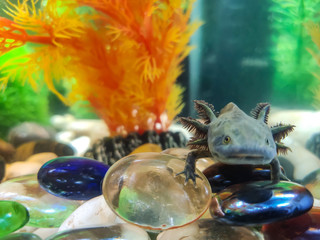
190,166
276,173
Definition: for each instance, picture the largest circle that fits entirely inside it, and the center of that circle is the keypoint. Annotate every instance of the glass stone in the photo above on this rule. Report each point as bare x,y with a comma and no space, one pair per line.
209,229
2,168
13,216
202,163
45,209
143,189
21,236
118,231
260,203
304,227
222,175
312,182
95,209
73,178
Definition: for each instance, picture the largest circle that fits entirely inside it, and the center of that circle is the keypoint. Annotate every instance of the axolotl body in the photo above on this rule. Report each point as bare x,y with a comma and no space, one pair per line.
234,137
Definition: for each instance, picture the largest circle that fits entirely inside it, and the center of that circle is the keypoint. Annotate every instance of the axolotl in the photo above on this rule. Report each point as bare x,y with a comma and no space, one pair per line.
234,137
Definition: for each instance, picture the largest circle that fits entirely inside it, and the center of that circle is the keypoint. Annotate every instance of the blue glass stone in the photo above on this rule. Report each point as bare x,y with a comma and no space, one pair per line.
261,202
222,175
113,232
73,178
21,236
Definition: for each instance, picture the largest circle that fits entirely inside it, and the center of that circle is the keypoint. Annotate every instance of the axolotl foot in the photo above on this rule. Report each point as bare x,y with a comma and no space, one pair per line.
190,174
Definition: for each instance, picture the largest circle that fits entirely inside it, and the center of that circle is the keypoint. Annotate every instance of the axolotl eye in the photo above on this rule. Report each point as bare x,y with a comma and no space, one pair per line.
226,140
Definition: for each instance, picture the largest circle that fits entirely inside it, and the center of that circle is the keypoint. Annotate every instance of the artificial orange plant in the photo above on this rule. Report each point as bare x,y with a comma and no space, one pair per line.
123,56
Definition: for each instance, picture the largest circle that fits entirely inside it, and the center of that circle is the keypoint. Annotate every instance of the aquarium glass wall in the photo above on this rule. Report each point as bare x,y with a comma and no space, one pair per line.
255,51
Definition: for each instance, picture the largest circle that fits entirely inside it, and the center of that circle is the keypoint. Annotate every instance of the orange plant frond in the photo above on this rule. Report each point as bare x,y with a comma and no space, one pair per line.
46,25
19,66
148,67
26,16
314,31
314,55
10,36
174,104
124,57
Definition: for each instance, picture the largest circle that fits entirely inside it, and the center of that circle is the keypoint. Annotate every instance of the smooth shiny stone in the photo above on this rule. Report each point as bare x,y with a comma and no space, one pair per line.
222,175
30,166
144,189
260,203
312,182
45,209
73,178
7,151
209,229
29,131
21,236
2,168
95,209
13,216
147,147
28,149
119,231
43,233
304,227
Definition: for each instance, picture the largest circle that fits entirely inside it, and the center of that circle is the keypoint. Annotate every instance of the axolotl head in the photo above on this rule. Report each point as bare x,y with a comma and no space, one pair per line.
236,138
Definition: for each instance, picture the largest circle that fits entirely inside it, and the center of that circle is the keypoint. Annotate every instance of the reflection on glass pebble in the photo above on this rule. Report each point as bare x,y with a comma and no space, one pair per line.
222,175
13,216
73,178
143,189
259,202
122,231
304,227
312,182
45,209
209,229
21,236
202,163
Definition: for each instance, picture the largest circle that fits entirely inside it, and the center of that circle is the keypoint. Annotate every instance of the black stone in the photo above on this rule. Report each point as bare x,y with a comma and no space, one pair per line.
111,149
222,175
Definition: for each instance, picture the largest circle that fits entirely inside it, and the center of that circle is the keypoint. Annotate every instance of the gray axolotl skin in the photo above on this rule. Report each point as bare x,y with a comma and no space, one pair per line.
251,140
235,138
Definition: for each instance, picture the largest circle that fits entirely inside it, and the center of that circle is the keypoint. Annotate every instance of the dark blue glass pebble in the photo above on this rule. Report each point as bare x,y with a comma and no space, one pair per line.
222,175
260,202
74,178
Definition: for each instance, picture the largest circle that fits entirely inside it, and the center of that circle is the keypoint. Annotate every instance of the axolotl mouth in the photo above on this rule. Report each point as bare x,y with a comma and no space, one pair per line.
241,155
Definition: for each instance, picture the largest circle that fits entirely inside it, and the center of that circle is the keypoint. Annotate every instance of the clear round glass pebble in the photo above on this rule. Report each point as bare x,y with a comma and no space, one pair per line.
45,209
144,189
